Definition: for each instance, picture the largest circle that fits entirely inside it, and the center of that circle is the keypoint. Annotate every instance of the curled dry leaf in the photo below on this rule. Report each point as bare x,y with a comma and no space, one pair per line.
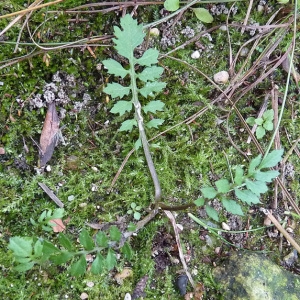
2,150
49,135
127,272
57,225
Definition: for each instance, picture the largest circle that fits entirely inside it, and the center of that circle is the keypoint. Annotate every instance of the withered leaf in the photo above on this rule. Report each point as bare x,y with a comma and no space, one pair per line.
49,135
57,225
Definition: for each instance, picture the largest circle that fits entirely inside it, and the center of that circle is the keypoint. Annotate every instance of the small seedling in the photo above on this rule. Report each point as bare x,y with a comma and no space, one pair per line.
245,187
29,251
45,219
264,123
135,211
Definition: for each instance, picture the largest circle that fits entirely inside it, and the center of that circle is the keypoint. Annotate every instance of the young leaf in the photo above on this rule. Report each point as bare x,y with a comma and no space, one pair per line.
115,233
61,258
257,187
267,176
260,132
79,267
272,159
121,107
127,251
199,201
111,260
49,249
21,246
65,242
211,212
86,240
251,121
153,106
138,144
259,121
38,249
239,175
116,90
98,264
102,239
150,73
137,215
203,15
115,68
151,87
253,164
223,186
171,5
232,207
209,192
58,213
129,38
22,260
128,125
268,125
154,123
268,115
24,267
42,216
149,58
246,196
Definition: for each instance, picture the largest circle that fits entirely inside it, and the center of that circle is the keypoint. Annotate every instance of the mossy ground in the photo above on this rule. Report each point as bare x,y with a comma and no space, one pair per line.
187,157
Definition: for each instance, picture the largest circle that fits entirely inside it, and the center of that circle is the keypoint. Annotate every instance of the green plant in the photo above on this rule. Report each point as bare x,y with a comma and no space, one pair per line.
247,187
29,251
135,211
264,123
46,217
126,41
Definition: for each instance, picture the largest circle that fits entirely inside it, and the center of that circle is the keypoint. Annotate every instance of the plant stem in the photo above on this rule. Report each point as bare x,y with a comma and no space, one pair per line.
140,122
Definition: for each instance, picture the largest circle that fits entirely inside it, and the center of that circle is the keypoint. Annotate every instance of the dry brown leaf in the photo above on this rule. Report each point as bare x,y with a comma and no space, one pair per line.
127,272
58,225
2,150
49,135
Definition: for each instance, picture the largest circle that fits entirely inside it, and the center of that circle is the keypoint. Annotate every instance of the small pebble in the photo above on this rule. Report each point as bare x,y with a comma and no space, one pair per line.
48,168
90,284
83,204
84,296
225,226
71,198
223,28
260,8
221,77
127,296
154,32
244,51
195,54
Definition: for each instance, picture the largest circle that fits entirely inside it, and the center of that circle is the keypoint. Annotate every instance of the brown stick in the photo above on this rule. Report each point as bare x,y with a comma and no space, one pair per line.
50,194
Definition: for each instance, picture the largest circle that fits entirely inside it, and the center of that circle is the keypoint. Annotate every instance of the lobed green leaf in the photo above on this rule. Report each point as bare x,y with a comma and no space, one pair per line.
155,123
58,213
116,90
86,240
149,58
239,175
102,239
251,121
209,192
268,125
272,159
115,68
128,125
211,212
150,73
127,251
21,246
115,233
268,115
256,187
79,267
65,242
260,132
61,258
151,87
38,249
98,264
203,15
121,107
24,267
253,164
232,207
111,260
223,186
266,176
199,201
153,106
246,196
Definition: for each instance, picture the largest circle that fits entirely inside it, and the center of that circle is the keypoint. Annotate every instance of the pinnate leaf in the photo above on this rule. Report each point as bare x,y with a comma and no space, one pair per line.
102,239
151,87
79,267
98,264
266,176
149,58
49,249
209,192
239,173
257,187
86,240
223,186
253,164
61,258
115,68
154,123
114,233
199,201
232,207
246,196
153,106
38,249
272,159
111,260
58,213
128,125
21,246
129,38
116,90
127,251
150,73
121,107
24,267
211,212
65,242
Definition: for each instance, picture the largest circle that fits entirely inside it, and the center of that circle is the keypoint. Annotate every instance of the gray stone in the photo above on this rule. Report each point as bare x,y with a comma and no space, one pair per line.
250,276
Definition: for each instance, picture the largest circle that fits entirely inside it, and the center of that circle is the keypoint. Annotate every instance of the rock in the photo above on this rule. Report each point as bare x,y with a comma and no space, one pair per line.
244,51
154,32
250,276
225,226
195,54
223,28
221,77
